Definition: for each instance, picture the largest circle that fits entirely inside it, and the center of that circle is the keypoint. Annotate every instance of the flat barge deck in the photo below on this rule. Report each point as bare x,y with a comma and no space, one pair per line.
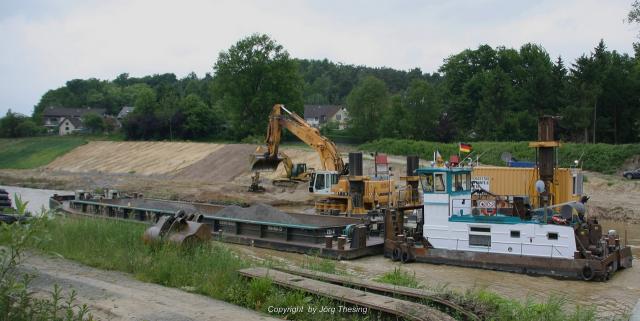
259,225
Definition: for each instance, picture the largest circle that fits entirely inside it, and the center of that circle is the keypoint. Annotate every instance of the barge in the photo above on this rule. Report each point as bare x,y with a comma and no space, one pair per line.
259,225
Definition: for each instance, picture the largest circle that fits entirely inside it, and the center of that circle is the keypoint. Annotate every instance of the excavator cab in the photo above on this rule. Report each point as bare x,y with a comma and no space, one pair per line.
322,181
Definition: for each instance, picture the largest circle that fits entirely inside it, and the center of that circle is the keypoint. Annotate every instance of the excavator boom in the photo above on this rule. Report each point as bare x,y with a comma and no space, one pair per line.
281,118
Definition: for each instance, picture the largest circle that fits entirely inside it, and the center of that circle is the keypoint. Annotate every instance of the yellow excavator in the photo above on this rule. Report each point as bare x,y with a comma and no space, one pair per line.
268,159
342,189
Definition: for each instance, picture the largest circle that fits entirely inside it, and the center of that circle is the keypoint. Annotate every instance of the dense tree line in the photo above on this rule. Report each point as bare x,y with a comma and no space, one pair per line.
478,94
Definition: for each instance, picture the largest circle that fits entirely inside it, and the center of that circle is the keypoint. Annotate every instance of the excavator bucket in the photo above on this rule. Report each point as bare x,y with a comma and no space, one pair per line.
264,163
179,229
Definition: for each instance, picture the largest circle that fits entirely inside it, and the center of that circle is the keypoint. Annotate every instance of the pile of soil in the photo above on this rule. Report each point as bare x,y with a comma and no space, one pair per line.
222,165
258,212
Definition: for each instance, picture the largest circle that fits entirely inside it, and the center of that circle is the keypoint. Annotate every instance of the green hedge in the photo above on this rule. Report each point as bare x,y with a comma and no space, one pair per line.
603,158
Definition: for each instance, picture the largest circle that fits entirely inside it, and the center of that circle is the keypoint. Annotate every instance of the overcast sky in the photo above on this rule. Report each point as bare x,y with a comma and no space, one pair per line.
44,43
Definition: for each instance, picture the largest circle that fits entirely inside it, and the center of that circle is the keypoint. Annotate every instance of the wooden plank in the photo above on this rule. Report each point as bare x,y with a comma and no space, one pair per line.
405,309
381,288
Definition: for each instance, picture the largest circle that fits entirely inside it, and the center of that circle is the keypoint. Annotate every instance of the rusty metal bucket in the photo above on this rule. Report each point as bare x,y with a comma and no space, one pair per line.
178,228
262,163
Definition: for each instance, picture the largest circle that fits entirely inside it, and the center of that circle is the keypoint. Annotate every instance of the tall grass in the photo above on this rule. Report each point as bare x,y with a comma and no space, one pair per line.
603,158
25,153
209,269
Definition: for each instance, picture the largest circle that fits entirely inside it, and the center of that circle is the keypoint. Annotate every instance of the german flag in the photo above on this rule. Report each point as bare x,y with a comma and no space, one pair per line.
465,148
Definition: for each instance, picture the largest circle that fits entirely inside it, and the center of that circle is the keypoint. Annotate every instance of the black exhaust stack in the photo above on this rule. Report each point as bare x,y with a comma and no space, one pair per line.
355,164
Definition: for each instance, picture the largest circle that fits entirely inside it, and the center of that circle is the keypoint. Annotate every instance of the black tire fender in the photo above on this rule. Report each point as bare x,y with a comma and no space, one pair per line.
405,257
396,254
587,273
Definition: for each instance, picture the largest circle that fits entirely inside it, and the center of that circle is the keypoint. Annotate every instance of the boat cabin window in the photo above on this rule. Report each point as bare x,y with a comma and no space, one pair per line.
427,183
515,234
552,236
439,182
461,182
479,236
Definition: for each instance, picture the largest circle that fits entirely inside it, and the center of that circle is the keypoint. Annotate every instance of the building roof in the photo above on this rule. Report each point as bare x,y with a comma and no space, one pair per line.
71,112
77,122
313,111
125,111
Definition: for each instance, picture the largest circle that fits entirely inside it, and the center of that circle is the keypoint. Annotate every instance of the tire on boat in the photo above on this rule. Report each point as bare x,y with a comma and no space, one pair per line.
405,257
587,273
396,255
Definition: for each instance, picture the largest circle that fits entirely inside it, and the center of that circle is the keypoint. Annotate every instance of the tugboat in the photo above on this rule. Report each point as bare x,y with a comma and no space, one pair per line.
456,228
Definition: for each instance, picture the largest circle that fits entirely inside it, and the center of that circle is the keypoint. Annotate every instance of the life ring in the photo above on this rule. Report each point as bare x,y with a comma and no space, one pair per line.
587,273
396,254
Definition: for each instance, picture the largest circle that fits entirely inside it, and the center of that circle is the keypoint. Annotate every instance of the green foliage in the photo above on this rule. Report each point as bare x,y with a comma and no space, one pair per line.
367,103
94,123
495,307
17,302
14,125
399,277
34,152
320,264
209,269
252,76
595,157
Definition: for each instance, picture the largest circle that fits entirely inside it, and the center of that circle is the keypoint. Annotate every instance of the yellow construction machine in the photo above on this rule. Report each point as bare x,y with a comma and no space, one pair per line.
342,189
268,159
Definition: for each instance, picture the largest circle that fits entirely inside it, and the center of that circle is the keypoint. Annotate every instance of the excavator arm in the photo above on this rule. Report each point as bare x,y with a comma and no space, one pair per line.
281,118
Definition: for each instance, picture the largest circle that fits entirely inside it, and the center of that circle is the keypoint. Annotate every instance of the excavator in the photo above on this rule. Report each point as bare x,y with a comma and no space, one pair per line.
268,159
341,189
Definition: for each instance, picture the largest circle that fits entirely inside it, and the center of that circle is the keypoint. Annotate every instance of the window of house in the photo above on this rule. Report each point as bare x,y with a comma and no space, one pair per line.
552,236
439,182
515,234
338,117
66,128
479,236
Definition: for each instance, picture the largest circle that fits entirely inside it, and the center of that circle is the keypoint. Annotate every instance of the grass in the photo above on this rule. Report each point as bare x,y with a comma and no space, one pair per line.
26,153
399,277
490,306
604,158
209,269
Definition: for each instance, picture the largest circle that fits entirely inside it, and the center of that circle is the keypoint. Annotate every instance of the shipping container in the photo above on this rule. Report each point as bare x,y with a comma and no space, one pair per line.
517,181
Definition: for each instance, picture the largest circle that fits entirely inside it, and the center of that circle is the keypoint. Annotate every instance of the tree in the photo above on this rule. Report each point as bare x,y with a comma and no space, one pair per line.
93,122
367,103
201,121
252,76
14,125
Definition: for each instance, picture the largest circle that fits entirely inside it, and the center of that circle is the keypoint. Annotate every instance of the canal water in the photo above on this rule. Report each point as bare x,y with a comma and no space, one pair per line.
613,298
37,198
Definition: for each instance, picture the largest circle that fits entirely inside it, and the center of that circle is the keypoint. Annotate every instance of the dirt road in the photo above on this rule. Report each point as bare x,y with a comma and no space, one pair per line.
117,296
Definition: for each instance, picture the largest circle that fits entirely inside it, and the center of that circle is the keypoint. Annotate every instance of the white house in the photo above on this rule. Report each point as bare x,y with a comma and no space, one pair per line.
69,126
318,115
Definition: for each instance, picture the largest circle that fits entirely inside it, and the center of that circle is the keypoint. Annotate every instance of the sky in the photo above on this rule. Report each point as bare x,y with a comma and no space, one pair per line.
44,43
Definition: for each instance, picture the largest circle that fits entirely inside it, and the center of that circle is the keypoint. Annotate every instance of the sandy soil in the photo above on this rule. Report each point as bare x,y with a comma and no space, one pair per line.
117,296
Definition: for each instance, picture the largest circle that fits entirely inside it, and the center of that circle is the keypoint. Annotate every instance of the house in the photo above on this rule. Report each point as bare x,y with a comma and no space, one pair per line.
69,126
318,115
126,110
53,116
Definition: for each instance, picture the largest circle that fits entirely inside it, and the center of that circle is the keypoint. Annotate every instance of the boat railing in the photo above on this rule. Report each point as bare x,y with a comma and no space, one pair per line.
554,250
